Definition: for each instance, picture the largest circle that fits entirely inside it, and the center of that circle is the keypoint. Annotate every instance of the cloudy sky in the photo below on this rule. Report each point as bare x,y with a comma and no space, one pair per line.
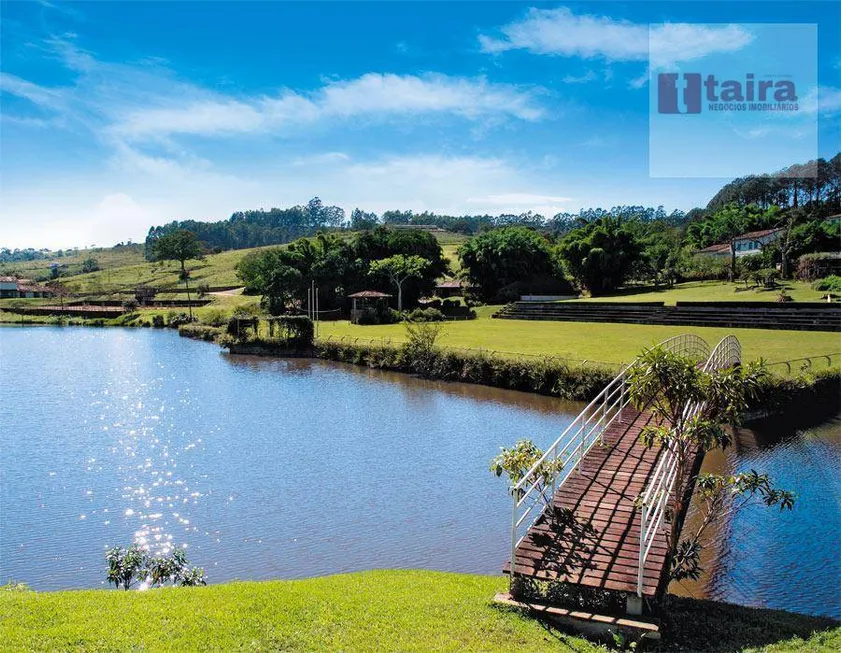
119,115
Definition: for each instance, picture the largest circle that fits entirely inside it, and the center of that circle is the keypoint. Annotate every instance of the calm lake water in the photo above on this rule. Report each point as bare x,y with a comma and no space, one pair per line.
263,468
286,469
787,560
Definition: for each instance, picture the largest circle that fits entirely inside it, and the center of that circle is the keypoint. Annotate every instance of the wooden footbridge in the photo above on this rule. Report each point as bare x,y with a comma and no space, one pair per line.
610,497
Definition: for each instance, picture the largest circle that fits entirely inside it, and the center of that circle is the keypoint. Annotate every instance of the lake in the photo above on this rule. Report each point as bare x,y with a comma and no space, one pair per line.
269,468
263,468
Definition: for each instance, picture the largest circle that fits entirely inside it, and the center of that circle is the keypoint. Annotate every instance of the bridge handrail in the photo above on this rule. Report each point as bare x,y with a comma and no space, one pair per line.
655,498
578,438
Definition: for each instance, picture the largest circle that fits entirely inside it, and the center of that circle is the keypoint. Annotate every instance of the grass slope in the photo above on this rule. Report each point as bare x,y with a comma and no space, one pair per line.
107,257
368,611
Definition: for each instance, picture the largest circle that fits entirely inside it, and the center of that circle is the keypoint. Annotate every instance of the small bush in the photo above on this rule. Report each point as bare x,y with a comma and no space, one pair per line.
425,315
158,321
130,305
176,320
832,283
382,315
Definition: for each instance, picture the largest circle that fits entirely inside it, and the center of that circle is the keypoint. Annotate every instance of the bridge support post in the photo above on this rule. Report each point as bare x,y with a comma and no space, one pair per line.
633,605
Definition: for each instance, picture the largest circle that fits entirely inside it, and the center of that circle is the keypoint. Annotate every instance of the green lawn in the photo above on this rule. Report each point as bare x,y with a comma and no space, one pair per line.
710,291
612,343
368,611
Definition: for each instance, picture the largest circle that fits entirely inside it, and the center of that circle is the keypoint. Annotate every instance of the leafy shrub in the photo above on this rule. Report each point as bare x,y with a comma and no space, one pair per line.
203,288
295,331
158,321
132,564
425,315
703,267
130,305
832,283
384,315
175,320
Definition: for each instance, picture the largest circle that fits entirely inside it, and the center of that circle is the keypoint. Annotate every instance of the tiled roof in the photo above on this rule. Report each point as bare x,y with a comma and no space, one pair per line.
712,249
369,294
758,234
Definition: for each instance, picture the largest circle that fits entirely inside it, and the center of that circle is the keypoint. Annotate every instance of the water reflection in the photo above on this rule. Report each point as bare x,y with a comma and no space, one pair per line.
786,560
263,468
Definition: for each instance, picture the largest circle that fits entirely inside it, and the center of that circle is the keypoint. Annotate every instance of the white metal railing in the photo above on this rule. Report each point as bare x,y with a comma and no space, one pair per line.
655,499
530,493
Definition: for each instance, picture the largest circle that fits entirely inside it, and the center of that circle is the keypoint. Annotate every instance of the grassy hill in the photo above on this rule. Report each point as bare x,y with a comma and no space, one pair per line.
125,268
368,611
108,258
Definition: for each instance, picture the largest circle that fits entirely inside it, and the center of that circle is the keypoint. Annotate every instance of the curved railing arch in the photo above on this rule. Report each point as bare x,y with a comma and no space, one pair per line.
578,438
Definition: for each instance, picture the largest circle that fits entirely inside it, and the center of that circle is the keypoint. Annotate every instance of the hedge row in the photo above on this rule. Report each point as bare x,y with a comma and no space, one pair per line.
199,332
541,376
801,393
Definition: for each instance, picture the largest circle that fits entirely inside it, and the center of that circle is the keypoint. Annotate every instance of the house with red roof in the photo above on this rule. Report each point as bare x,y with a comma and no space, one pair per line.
745,244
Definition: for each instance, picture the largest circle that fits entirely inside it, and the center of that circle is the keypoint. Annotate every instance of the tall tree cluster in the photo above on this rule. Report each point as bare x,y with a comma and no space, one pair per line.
342,266
814,184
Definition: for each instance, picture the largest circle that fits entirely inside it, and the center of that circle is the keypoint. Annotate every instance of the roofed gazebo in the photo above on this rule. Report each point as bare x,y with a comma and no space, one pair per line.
366,300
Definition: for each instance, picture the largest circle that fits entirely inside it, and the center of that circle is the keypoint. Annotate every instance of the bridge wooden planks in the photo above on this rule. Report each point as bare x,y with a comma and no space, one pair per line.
596,542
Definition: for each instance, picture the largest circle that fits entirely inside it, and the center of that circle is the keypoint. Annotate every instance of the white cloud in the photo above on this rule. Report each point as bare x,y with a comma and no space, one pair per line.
375,96
560,32
147,102
20,87
829,100
589,76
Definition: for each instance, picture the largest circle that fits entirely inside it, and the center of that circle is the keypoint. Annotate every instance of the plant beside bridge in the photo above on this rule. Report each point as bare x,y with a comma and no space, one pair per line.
691,406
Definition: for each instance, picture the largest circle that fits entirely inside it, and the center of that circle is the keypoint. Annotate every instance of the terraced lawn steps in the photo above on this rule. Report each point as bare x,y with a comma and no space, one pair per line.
793,317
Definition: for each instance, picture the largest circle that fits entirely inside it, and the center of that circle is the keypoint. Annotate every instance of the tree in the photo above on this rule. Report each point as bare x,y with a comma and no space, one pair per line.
501,257
59,290
399,269
90,265
518,460
124,565
599,255
180,245
665,384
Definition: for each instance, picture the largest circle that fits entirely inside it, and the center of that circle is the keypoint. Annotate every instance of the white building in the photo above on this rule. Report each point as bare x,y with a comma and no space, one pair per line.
746,244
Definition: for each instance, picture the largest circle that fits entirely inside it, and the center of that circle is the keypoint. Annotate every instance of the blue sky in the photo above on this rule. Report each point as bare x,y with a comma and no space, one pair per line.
120,115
